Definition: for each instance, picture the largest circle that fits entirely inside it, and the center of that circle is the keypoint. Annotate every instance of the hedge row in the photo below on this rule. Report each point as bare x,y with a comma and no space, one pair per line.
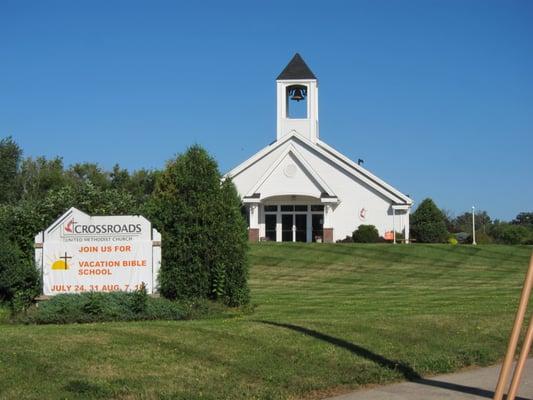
102,307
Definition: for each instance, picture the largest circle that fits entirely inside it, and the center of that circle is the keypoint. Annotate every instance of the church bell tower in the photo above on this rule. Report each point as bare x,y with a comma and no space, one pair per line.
297,100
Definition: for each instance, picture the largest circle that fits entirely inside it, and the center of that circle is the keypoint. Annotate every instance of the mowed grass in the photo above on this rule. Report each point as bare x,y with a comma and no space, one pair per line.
328,318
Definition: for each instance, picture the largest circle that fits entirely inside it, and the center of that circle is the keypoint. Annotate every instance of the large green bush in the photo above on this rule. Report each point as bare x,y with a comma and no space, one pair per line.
366,234
428,223
511,234
203,232
19,278
231,276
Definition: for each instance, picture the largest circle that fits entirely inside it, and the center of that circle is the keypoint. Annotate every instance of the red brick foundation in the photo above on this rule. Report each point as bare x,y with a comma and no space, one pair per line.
328,235
253,234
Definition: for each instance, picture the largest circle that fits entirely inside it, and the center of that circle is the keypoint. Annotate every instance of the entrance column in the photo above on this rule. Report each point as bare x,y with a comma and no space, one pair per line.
253,229
328,228
401,210
407,226
309,233
279,231
393,225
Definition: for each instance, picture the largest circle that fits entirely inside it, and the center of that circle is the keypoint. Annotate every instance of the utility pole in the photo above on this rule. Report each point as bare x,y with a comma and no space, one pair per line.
474,226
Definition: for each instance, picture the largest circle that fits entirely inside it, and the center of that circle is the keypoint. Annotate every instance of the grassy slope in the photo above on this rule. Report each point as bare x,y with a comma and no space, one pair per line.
328,318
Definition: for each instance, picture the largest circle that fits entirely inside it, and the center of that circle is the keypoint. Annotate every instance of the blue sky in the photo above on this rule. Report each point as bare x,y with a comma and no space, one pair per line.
435,96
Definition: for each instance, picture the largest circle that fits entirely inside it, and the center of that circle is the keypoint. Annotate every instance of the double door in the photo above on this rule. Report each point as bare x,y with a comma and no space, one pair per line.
294,227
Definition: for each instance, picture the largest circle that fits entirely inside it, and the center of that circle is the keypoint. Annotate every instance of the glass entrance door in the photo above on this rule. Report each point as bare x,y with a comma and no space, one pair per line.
270,227
318,226
293,222
286,227
301,227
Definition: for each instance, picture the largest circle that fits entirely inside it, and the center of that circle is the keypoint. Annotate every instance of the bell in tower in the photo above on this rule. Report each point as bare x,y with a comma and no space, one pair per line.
297,92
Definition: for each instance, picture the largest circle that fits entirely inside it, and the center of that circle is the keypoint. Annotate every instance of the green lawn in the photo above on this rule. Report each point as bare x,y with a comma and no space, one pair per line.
328,318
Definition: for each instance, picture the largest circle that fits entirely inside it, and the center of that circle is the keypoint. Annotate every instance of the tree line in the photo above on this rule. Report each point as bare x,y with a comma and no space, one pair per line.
429,224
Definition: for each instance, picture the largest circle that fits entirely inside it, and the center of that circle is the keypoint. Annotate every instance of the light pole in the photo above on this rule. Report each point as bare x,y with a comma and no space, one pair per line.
474,226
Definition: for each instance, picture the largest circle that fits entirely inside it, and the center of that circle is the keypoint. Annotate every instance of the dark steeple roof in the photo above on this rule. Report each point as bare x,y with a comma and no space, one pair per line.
296,69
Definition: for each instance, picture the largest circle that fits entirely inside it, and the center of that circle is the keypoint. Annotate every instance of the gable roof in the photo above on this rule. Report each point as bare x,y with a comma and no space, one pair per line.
296,69
313,178
341,157
336,158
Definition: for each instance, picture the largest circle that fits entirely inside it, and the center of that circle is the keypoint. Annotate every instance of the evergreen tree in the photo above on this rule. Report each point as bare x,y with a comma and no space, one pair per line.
233,247
428,223
204,255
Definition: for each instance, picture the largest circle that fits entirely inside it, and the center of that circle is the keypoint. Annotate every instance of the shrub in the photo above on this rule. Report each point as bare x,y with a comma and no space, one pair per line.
511,234
139,300
462,237
347,239
61,309
428,223
481,238
100,304
229,280
21,222
165,309
22,300
453,241
18,276
203,232
182,210
100,307
366,234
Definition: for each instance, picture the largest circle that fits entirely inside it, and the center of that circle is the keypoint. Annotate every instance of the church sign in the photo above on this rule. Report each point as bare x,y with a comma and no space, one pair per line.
80,253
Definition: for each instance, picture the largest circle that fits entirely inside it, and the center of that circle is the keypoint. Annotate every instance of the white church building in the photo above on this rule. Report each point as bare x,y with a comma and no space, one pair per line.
299,189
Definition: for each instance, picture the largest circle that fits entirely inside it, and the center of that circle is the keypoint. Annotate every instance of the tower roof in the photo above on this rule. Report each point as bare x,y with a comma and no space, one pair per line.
296,69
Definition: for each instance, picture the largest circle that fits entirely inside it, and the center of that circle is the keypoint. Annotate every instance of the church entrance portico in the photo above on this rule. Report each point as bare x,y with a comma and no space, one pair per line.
288,218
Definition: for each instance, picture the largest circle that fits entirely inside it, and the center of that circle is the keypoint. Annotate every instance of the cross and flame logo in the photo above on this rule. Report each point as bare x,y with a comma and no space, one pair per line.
69,226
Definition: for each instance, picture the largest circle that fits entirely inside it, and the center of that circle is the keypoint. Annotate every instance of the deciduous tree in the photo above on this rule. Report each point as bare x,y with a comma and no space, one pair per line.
10,158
